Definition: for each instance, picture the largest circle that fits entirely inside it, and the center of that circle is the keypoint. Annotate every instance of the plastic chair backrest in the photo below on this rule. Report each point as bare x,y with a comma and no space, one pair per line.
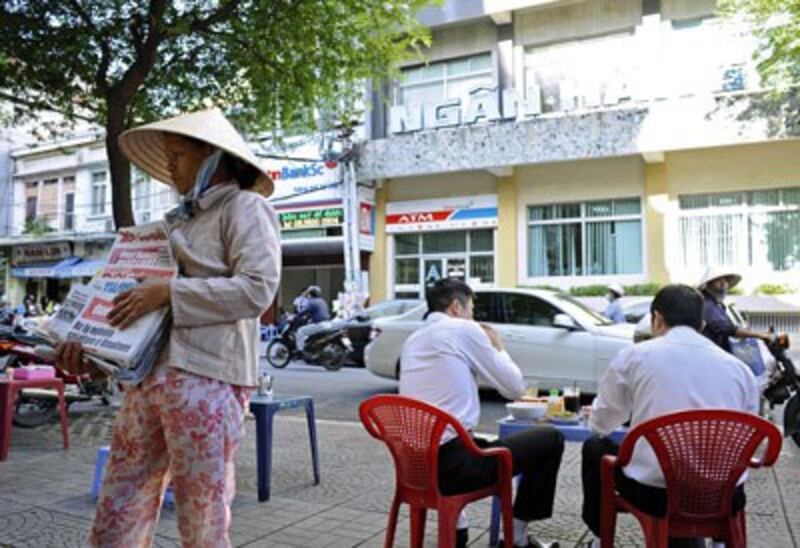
412,430
702,454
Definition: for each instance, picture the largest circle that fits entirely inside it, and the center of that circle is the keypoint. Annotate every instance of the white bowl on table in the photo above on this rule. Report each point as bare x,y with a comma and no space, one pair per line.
523,410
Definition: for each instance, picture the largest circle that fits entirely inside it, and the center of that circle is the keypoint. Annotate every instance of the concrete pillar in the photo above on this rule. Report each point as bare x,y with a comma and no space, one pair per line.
378,276
506,251
656,192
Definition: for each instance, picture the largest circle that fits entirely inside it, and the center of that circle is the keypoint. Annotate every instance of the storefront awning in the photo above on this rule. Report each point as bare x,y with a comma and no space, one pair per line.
35,270
78,268
71,267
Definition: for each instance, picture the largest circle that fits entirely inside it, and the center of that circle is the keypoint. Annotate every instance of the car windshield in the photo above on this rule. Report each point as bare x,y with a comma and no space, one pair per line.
579,311
391,308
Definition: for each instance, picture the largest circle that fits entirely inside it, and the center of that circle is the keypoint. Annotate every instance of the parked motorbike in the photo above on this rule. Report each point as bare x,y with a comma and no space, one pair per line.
328,347
784,387
35,406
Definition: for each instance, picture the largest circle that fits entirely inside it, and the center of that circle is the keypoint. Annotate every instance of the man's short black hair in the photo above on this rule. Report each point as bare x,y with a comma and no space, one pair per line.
679,304
445,291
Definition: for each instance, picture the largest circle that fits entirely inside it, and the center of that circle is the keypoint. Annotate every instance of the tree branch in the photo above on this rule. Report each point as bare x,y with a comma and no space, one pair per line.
41,104
101,74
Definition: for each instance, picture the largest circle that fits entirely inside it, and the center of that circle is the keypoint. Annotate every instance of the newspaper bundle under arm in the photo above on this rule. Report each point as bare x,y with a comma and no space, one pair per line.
138,252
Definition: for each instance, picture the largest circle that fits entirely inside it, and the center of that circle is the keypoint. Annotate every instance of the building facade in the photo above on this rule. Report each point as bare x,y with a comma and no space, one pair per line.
61,224
577,142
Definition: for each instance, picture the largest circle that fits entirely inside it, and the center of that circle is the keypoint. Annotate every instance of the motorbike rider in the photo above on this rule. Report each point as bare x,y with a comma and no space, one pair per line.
715,285
614,309
314,316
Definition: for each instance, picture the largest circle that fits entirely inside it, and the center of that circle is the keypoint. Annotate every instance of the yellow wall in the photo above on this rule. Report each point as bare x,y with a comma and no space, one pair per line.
734,168
577,181
506,248
465,183
656,207
377,261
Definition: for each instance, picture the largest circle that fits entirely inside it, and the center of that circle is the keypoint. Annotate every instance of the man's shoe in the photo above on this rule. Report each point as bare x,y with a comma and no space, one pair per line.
462,537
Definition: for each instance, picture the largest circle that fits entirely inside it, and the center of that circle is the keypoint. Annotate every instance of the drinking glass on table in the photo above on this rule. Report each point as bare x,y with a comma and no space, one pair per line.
572,399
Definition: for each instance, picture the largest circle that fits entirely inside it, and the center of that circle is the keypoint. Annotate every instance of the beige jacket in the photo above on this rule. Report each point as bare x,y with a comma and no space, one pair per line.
229,256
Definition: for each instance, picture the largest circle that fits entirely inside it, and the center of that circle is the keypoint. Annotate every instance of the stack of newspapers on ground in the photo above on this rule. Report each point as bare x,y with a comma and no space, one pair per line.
139,252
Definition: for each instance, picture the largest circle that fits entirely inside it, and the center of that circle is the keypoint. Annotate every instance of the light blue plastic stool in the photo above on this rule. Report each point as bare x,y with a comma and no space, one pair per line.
97,482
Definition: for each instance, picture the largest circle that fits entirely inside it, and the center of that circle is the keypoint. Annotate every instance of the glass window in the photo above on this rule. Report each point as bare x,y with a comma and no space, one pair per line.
482,268
442,80
486,307
69,211
406,244
555,250
423,258
528,310
741,229
30,208
444,242
596,238
407,271
98,198
481,240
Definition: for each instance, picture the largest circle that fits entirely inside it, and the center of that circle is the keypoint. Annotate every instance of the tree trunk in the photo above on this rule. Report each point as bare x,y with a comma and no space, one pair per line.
119,167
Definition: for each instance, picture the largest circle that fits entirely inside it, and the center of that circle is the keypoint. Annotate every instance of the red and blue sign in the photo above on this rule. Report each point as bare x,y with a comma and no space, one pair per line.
442,214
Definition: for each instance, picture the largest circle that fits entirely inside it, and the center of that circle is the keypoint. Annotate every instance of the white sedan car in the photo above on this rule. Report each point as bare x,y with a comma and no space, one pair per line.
555,340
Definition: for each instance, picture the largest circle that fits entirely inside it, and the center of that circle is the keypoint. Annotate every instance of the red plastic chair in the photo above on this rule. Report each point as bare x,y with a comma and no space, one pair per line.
702,454
412,430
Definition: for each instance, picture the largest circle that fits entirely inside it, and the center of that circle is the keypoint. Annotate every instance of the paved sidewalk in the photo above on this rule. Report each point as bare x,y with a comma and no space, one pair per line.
45,501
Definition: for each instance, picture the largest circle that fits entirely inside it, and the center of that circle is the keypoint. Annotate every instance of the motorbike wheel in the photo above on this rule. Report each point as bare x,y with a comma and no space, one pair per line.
35,412
332,356
278,353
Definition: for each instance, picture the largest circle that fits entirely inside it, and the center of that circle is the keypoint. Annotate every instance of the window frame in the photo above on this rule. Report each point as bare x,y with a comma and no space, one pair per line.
395,288
99,209
399,85
525,277
748,210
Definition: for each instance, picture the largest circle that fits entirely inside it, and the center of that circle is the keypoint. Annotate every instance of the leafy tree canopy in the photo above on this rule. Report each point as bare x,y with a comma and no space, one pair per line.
268,63
777,23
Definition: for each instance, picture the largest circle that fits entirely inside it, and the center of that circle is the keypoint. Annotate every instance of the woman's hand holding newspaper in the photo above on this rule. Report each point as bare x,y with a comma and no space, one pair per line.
69,357
151,294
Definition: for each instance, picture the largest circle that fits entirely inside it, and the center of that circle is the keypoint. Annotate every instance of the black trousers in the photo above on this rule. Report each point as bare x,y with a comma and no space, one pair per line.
648,499
536,453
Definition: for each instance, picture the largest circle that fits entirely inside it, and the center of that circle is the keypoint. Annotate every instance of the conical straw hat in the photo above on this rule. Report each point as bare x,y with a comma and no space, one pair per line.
714,273
144,145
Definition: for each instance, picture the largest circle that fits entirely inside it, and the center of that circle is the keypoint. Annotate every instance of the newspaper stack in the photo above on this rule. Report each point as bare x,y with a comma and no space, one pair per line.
138,252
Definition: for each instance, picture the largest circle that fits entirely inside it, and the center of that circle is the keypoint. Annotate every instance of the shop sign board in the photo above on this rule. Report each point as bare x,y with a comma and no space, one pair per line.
366,226
298,183
491,104
40,253
311,218
442,214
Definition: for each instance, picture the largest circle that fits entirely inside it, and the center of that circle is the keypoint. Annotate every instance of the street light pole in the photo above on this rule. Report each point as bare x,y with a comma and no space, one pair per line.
350,210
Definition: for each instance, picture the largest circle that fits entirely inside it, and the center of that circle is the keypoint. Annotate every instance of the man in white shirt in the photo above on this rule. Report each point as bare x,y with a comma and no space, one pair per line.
678,369
440,364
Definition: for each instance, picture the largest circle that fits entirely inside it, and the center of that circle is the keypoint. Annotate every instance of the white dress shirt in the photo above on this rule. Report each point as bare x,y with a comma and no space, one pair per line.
442,361
678,371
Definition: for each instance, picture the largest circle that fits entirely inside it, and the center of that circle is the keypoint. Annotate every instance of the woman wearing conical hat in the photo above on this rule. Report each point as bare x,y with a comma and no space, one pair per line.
183,423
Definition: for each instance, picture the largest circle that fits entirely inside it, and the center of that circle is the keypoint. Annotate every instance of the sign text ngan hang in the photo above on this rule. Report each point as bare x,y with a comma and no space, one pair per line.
489,104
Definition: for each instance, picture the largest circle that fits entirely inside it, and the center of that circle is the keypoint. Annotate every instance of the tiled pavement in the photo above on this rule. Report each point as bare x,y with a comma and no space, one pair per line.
45,502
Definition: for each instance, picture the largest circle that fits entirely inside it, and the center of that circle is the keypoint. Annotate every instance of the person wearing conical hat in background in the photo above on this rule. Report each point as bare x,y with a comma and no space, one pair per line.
715,285
614,309
183,423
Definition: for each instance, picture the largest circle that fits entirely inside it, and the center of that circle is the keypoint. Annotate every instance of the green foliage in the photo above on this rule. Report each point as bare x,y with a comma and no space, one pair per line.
37,227
270,65
597,290
774,289
648,289
735,291
777,24
600,290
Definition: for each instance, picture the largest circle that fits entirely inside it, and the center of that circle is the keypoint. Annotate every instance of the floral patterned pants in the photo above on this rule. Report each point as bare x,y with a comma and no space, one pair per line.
178,428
